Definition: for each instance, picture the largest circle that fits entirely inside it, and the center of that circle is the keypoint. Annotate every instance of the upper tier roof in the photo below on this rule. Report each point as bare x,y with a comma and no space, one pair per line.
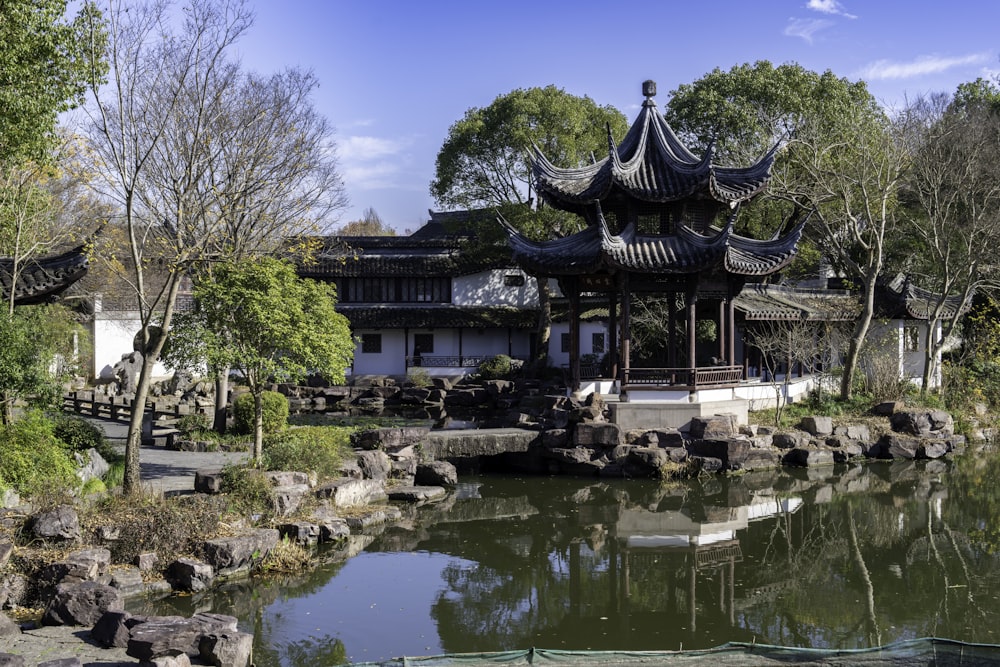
42,279
650,165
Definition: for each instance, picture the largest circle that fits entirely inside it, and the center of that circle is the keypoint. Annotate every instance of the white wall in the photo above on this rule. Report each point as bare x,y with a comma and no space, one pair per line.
112,336
587,329
389,362
487,288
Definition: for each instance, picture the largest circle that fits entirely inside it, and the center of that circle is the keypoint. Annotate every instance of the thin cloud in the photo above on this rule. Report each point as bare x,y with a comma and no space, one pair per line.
921,66
806,28
369,148
829,7
372,176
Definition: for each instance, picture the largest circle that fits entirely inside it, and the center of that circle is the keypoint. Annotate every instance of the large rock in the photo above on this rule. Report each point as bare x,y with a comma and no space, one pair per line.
208,481
227,649
599,434
389,439
82,604
8,627
189,574
112,629
228,554
922,422
714,426
818,426
910,447
417,493
161,636
301,532
90,465
808,457
79,566
436,473
347,492
61,523
374,464
460,444
288,498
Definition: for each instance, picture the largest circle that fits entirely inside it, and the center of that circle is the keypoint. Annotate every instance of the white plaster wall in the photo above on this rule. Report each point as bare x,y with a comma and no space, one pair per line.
485,342
389,362
587,329
487,289
112,335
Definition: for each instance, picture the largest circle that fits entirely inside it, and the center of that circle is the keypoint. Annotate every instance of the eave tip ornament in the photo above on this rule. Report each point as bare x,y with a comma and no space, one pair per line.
649,91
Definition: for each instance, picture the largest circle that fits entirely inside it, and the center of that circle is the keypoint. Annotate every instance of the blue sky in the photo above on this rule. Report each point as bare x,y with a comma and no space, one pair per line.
394,75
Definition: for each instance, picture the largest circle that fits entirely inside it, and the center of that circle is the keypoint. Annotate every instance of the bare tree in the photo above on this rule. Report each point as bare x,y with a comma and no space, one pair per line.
956,196
149,134
850,173
370,224
783,343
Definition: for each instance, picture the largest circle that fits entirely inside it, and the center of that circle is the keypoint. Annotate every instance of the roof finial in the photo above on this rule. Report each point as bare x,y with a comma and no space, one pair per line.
649,90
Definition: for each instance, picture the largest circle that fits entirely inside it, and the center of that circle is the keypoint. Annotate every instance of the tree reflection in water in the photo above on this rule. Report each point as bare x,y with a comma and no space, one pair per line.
837,557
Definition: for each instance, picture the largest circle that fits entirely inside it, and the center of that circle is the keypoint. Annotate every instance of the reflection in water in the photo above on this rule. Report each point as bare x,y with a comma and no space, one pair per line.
840,557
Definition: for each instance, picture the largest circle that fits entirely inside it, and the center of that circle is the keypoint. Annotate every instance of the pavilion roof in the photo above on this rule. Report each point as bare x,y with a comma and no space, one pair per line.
685,252
774,302
899,297
43,278
651,164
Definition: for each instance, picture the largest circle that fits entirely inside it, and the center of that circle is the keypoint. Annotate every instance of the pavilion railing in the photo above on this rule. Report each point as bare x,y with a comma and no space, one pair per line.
707,377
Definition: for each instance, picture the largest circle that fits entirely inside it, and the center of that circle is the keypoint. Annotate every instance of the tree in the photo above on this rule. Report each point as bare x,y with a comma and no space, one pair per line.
45,66
485,163
163,90
263,320
843,159
370,224
954,199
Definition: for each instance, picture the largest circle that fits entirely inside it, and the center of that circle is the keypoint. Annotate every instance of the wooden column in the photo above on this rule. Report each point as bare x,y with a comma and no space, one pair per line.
574,336
731,322
406,349
672,331
722,329
461,361
626,331
613,334
692,320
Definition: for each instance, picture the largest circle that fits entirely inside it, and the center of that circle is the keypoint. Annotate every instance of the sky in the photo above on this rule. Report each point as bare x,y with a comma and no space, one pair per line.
394,75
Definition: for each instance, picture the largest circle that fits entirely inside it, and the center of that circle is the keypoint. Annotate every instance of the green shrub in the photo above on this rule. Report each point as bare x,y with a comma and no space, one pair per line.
248,491
275,412
195,424
77,433
33,460
496,368
318,449
419,377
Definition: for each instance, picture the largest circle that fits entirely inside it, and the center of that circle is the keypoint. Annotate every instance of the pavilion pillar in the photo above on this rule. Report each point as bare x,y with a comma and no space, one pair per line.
406,350
692,321
574,336
731,323
722,330
672,331
613,334
461,362
626,362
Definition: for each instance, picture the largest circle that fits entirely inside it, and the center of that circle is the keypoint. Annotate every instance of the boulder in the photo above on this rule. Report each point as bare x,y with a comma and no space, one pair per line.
818,426
715,426
227,649
166,636
645,461
348,492
82,603
61,523
208,481
554,437
661,437
808,457
228,554
288,498
8,627
374,464
90,465
11,660
436,473
600,434
189,574
61,662
790,440
301,532
290,478
417,493
112,629
128,580
374,518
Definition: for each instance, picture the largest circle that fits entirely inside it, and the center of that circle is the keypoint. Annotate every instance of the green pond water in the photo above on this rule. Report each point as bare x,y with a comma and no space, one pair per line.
836,557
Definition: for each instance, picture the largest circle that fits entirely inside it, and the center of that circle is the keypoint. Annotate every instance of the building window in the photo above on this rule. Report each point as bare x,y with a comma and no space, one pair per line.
514,280
911,339
371,343
423,343
597,343
564,342
395,290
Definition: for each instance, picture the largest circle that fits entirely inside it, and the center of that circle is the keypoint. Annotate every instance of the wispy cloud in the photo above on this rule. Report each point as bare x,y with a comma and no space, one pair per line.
372,176
805,28
923,65
369,148
829,7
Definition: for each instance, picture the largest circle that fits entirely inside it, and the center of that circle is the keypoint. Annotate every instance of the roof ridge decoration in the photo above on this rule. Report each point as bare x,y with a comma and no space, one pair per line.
42,279
650,164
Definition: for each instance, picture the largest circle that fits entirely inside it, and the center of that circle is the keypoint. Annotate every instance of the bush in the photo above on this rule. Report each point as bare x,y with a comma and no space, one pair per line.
419,377
33,460
497,368
318,449
275,412
196,424
248,491
77,433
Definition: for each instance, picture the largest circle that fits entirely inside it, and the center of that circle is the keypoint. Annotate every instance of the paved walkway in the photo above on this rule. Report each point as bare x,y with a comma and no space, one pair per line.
164,470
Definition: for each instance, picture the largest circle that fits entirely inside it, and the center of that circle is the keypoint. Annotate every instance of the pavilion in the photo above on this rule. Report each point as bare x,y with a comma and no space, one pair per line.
659,221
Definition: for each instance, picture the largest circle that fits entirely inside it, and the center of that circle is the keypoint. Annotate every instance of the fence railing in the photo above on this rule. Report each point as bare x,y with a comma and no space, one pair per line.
447,361
707,377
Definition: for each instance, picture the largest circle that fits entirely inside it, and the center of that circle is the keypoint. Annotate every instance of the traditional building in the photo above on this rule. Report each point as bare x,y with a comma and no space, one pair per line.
659,221
42,279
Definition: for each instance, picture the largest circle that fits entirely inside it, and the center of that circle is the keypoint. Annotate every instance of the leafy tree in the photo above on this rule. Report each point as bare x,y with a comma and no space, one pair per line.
370,224
485,163
844,160
954,199
266,322
45,65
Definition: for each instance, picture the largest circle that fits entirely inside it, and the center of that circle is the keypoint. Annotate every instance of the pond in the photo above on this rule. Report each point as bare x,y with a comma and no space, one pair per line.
837,557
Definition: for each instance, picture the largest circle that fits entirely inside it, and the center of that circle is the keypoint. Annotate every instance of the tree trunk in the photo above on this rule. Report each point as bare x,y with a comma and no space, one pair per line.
541,359
221,400
258,425
131,482
858,338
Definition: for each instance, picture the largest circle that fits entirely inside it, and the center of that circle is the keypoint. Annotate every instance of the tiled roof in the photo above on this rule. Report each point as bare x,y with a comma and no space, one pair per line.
649,165
901,298
423,317
770,302
45,278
